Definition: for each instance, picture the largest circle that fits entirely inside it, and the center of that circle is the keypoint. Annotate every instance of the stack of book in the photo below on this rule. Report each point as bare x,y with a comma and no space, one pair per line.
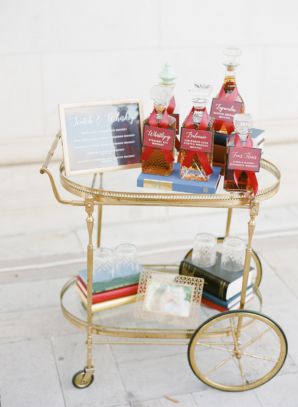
222,289
108,294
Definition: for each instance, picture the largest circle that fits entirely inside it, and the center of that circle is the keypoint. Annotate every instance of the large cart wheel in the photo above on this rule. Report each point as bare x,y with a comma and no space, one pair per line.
251,352
256,262
82,379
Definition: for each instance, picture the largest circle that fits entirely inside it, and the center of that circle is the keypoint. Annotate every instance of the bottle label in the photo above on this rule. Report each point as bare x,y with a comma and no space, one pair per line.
196,140
158,137
244,159
224,110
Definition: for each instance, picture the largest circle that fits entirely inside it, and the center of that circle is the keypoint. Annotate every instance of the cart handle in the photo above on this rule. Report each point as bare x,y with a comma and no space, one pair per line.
44,170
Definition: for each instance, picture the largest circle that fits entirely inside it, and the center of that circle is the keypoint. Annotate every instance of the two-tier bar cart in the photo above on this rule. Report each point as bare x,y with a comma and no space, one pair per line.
234,350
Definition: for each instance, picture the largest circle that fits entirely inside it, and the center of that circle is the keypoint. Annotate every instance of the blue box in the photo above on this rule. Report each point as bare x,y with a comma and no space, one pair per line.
173,182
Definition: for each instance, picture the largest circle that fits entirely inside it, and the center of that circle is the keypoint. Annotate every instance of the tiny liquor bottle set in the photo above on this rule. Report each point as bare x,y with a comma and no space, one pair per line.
209,143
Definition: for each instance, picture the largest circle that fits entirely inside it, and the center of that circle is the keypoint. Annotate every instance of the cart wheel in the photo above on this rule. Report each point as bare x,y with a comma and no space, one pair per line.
245,357
257,275
82,379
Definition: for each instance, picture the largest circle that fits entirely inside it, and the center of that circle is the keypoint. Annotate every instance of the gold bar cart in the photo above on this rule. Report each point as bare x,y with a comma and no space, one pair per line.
235,350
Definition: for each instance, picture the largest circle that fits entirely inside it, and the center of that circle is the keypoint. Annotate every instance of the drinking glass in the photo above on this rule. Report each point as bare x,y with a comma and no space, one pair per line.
233,254
125,258
204,250
103,264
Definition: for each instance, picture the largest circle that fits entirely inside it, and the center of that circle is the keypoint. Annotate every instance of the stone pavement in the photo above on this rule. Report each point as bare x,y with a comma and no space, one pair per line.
43,243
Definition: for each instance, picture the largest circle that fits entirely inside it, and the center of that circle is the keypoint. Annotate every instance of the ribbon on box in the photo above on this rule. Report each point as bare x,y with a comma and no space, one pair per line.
227,97
164,122
252,181
191,155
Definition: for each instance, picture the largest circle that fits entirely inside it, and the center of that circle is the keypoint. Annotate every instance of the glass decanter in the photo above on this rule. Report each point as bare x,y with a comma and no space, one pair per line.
242,124
228,94
159,134
168,77
197,138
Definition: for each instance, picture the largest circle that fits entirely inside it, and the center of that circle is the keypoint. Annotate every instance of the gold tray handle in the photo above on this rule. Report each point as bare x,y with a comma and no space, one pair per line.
44,170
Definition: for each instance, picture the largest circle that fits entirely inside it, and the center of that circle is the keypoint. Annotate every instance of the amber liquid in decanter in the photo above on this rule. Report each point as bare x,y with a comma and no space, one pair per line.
156,163
229,85
229,181
196,171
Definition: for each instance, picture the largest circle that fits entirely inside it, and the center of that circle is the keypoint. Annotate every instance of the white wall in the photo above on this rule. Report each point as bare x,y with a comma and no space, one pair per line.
55,51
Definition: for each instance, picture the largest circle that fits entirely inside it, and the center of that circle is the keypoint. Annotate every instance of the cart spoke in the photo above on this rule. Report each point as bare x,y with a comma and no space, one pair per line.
221,347
243,377
221,364
257,356
253,340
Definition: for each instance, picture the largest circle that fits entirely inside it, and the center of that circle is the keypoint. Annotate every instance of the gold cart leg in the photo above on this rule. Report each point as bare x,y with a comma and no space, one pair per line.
99,213
254,210
89,207
228,224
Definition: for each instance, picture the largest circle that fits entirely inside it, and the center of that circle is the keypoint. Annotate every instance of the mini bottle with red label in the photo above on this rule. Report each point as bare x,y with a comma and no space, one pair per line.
159,134
168,77
242,159
196,139
228,102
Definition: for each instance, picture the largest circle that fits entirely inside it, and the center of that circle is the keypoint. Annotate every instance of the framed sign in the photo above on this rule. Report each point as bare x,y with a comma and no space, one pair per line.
103,136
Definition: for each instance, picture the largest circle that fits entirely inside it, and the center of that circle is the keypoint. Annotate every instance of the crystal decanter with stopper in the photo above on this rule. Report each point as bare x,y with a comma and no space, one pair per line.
242,160
159,134
228,102
197,138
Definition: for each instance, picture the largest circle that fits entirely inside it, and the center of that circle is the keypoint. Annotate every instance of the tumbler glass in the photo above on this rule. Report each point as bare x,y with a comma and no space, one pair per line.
204,250
233,254
125,258
103,264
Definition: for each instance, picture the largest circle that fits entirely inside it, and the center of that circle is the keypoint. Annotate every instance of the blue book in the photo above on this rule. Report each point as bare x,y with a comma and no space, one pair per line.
257,136
231,302
173,182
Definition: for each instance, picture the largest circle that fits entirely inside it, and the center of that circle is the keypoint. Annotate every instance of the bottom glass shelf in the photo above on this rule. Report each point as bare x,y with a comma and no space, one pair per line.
121,321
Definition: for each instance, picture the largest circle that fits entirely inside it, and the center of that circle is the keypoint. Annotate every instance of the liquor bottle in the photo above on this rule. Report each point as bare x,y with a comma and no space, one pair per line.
159,134
228,102
168,77
197,138
242,160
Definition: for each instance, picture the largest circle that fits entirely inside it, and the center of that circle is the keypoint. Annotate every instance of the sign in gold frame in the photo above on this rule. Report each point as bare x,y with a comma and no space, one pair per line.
162,297
101,136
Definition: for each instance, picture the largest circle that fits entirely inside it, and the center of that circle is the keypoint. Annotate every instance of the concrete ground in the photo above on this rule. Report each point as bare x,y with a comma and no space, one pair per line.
42,244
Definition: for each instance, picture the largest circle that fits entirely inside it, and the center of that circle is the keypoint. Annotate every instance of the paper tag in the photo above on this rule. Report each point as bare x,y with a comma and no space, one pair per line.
224,110
244,159
158,137
196,140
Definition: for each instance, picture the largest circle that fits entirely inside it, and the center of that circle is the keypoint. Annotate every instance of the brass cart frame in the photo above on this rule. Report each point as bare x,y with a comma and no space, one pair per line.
228,325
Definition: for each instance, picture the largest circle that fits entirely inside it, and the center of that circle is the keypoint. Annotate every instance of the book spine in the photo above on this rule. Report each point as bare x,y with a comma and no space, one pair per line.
213,305
108,304
112,294
101,286
212,284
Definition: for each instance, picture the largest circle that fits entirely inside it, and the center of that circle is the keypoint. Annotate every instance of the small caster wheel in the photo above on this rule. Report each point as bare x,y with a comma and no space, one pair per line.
82,379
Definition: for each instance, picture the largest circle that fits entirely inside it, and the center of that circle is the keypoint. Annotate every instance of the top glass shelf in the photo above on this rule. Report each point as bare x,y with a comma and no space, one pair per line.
119,188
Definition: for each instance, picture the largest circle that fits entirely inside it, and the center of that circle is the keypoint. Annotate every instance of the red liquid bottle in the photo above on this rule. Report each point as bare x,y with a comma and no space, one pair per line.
159,134
240,152
196,148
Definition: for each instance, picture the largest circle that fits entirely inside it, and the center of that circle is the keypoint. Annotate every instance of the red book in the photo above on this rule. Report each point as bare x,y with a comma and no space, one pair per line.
111,294
212,304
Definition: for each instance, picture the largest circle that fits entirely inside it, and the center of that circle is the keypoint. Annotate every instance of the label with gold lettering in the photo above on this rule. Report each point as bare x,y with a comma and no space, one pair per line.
244,159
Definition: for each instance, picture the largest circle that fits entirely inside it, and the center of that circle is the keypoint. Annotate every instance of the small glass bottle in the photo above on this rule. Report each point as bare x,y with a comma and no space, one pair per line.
159,134
228,102
242,124
196,148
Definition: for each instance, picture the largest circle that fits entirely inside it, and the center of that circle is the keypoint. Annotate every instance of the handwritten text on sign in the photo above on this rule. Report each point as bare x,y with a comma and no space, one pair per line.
158,137
223,110
101,137
244,159
196,140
